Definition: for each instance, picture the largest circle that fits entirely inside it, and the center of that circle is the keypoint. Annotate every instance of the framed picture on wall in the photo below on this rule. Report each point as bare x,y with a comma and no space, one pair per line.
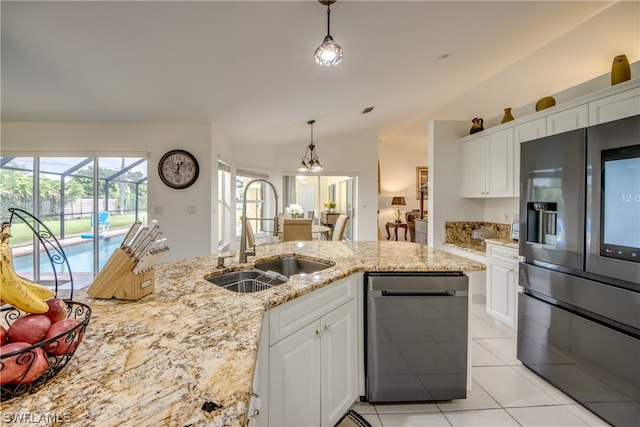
422,179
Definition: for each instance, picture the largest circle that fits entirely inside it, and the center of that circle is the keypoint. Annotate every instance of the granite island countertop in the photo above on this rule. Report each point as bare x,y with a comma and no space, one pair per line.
185,354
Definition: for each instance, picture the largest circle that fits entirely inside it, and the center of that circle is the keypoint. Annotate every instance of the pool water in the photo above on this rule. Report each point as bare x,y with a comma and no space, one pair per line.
80,257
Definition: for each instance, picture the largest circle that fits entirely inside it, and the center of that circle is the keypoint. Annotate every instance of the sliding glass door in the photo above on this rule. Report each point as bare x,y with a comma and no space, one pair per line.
315,193
88,203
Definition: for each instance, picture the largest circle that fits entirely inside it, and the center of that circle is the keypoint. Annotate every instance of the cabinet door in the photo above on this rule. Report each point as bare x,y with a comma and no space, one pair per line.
619,106
294,379
501,291
531,130
499,169
473,172
339,363
566,120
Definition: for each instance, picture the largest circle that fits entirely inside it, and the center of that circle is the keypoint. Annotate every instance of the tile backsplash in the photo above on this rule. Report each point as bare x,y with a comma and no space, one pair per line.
460,231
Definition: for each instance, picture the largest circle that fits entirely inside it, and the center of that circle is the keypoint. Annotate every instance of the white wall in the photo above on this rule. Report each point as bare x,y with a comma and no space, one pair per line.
188,234
398,162
445,180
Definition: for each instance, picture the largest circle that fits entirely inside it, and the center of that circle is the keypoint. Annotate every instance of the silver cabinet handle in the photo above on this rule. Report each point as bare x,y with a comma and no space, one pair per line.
319,334
327,328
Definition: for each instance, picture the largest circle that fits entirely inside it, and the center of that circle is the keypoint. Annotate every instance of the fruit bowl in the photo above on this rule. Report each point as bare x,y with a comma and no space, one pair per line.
64,344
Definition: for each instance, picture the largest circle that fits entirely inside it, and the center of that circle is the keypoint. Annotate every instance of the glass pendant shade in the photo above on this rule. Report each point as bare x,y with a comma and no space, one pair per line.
329,53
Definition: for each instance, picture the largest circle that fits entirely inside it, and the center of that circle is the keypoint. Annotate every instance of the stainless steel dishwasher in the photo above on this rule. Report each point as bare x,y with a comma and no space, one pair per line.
416,336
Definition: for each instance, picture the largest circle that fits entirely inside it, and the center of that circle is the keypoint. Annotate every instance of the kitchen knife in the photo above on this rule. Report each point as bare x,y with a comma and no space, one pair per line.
143,255
154,232
138,239
150,259
132,232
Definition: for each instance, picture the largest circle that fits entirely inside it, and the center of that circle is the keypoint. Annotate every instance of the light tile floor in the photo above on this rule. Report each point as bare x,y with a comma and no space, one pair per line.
504,392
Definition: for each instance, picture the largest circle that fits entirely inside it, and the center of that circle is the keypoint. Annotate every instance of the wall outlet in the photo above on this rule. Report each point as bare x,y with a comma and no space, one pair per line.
507,217
191,209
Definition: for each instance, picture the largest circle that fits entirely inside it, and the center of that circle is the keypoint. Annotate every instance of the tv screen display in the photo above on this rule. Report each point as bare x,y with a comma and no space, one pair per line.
620,234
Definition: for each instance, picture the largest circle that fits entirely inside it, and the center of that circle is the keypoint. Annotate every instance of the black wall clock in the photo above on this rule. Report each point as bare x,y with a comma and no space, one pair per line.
178,169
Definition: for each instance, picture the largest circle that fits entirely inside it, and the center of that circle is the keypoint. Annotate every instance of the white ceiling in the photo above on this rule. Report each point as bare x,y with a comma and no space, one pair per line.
247,66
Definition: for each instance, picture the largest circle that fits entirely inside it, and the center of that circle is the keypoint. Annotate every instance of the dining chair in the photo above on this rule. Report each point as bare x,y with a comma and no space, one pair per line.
296,229
338,229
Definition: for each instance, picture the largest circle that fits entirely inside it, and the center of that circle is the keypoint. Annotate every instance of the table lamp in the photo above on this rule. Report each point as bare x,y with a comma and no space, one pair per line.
398,201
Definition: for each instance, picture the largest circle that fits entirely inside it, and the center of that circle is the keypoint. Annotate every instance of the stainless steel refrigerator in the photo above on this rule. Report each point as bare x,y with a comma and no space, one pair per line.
579,312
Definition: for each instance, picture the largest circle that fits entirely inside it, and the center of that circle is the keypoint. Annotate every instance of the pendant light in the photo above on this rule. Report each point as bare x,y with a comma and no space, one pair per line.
310,161
329,53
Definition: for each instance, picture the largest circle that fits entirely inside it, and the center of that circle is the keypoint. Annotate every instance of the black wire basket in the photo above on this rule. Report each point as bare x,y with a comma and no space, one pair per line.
30,359
38,363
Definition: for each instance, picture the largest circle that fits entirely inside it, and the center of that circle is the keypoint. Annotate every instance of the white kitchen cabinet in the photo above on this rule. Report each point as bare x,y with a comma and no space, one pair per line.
488,166
502,283
313,370
531,130
615,107
569,119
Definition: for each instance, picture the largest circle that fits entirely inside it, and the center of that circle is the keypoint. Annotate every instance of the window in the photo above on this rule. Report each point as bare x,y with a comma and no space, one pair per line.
66,194
259,201
224,208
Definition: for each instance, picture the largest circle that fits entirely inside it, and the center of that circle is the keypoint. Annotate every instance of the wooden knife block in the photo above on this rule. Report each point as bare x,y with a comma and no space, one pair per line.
116,280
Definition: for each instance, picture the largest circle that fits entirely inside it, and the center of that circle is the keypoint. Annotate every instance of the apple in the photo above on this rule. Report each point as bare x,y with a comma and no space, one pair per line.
66,343
35,369
3,335
11,367
31,328
57,310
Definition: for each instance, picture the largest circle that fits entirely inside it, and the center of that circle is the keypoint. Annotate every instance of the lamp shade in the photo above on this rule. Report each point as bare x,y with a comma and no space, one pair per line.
398,201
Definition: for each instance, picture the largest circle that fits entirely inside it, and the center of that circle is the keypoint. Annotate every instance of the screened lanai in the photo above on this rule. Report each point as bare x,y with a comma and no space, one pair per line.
78,199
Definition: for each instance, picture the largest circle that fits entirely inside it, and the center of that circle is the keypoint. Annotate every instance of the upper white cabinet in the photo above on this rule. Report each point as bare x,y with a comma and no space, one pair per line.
569,119
488,166
491,158
528,131
614,107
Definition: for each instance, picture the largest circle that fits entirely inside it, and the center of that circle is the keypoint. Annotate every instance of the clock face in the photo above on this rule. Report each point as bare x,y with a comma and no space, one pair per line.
178,169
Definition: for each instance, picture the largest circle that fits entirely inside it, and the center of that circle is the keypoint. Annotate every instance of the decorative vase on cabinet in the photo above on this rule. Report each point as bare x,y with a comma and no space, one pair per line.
476,126
620,70
507,116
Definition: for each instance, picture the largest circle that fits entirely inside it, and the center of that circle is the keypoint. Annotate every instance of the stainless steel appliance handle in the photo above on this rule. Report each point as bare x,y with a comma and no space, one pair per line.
400,293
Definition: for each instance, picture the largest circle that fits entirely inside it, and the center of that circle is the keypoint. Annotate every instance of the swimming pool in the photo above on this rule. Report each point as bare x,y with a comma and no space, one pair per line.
80,257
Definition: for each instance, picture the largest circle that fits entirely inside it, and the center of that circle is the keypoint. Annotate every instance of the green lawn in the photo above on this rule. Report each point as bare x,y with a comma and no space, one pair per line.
20,232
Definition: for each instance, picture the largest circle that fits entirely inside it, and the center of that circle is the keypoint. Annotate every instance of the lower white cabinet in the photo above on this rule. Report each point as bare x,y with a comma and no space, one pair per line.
502,284
313,371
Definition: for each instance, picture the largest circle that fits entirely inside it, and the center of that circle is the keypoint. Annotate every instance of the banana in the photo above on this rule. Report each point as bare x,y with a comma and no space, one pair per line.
12,288
39,290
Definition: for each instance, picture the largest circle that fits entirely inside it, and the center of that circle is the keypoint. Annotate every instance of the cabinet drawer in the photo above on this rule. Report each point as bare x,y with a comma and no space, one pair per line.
293,316
502,253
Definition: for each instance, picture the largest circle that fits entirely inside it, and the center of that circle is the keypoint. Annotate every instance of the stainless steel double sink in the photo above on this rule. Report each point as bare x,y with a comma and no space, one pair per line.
267,274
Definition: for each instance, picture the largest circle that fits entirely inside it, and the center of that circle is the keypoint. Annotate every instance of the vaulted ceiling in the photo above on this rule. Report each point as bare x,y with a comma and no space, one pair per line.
248,68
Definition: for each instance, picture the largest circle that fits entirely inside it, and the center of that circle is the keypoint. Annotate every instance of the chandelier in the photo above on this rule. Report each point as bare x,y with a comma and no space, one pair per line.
329,53
310,161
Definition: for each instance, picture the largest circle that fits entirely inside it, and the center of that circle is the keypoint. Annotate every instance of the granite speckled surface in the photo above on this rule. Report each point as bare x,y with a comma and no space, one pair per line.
458,235
158,360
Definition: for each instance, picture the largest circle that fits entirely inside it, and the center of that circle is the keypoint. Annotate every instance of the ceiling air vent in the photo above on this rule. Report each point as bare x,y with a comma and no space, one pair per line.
367,110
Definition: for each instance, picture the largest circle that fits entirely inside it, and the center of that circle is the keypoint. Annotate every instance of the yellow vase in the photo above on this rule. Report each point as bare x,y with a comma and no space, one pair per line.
507,116
620,70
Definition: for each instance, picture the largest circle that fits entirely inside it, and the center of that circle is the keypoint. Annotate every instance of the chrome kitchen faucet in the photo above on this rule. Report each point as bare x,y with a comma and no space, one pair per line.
243,252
